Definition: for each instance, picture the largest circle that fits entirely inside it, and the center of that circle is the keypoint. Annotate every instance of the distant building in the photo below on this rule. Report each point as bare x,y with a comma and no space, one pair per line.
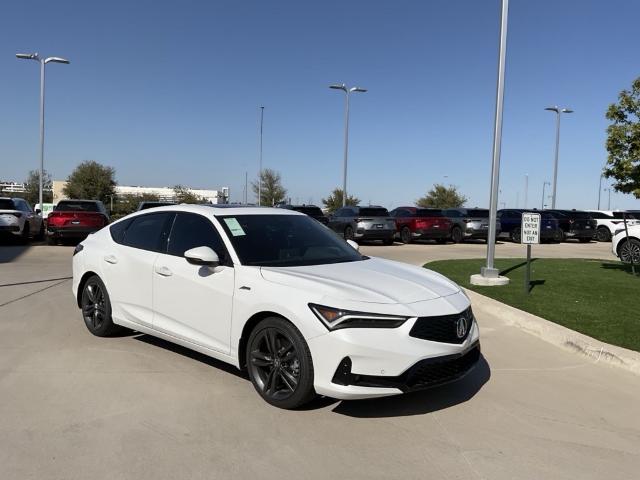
12,187
165,194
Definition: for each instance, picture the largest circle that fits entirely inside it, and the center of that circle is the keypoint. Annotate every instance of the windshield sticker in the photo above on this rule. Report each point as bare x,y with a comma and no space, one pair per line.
234,227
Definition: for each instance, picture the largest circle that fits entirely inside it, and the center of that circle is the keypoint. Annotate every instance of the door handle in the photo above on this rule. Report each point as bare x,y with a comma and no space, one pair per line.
164,271
110,259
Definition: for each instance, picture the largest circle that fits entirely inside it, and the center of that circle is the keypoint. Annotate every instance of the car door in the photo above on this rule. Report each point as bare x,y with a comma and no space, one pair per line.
194,302
127,265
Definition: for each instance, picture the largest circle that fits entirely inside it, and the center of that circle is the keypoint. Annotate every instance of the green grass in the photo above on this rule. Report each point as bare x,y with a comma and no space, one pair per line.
598,298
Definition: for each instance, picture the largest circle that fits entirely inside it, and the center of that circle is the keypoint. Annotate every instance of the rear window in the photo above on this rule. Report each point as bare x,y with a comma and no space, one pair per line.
65,206
373,212
7,204
426,212
581,215
311,211
478,213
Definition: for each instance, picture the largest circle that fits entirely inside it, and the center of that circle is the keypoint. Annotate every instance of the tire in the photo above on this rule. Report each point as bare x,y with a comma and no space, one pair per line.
24,237
628,250
558,236
40,235
456,235
96,308
405,235
603,234
279,364
348,232
516,236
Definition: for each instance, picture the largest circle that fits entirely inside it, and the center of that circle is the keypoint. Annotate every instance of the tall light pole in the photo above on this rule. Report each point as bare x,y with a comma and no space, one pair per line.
609,201
260,158
559,111
543,191
526,189
489,275
348,91
43,62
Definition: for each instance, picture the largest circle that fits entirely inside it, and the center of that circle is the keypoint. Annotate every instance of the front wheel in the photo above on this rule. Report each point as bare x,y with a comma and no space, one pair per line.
348,233
405,235
516,235
603,234
96,308
456,235
279,364
630,251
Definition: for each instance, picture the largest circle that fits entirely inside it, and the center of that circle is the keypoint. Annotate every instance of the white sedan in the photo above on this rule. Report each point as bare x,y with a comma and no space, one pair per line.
276,293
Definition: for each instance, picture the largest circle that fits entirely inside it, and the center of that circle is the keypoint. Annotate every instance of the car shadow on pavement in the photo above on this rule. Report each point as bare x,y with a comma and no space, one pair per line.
9,251
420,403
621,266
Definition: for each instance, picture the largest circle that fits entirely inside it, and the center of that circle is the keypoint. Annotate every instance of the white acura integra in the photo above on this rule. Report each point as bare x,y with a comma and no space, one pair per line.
277,293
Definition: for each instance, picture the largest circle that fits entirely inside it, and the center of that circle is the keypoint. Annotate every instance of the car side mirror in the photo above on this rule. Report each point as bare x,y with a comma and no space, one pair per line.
204,256
38,211
354,245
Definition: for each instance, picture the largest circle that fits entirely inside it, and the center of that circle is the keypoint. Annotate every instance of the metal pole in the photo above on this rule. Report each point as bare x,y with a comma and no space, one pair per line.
246,186
609,201
555,164
346,148
526,189
527,276
41,182
599,191
260,159
490,270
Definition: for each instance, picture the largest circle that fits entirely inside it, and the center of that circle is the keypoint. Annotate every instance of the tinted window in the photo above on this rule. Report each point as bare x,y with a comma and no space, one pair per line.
311,211
117,230
285,241
69,206
340,212
428,212
478,213
146,231
601,215
401,213
191,230
373,212
7,204
452,213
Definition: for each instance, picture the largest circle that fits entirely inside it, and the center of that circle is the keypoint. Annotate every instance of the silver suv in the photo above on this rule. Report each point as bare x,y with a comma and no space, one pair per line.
469,223
364,223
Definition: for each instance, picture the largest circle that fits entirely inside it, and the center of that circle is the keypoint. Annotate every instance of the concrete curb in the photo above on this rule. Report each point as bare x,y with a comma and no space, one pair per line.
558,335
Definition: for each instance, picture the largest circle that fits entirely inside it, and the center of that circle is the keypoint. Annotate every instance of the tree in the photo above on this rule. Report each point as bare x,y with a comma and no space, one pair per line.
32,187
185,195
442,197
92,181
334,201
128,203
623,141
272,191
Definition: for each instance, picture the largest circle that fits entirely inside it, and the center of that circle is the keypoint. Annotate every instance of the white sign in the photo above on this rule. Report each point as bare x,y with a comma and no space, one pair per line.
530,228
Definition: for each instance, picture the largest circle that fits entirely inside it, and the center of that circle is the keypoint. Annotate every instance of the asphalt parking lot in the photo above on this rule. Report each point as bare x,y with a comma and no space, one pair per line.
75,406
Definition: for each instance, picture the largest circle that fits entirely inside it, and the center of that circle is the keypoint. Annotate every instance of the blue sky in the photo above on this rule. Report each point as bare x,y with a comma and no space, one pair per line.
168,92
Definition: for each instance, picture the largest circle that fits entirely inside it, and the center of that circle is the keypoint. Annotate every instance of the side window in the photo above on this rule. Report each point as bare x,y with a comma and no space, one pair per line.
117,230
146,231
402,213
338,213
191,230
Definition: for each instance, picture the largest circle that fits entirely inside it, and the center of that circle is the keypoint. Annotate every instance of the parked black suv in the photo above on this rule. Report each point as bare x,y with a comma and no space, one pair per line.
575,224
310,210
364,223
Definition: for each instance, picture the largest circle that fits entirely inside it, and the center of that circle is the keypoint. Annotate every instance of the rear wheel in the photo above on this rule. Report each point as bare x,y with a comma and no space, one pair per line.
603,234
558,236
630,251
516,235
96,308
456,235
279,364
405,235
348,233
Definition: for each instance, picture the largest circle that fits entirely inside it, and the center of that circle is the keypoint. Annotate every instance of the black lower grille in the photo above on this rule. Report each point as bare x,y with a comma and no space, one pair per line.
444,328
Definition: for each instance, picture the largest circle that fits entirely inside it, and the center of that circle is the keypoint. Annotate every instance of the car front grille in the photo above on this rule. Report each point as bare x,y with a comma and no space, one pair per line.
444,328
429,373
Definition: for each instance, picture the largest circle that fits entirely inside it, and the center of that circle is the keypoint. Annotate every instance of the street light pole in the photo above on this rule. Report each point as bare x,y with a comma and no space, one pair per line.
608,190
260,159
558,111
526,189
43,62
347,92
543,189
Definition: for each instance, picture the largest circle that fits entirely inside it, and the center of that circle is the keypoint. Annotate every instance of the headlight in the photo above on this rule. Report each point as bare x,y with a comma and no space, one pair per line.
334,318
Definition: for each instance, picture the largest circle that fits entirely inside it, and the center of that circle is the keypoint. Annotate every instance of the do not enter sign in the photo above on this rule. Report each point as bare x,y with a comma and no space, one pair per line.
530,228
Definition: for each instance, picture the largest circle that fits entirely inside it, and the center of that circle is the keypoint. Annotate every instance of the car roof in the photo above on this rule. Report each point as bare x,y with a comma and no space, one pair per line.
78,200
221,210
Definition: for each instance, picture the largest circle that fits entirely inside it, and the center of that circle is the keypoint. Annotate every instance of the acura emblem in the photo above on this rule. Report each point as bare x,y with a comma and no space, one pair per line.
461,327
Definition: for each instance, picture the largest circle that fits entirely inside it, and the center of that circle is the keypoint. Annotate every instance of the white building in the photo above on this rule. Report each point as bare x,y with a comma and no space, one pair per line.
167,194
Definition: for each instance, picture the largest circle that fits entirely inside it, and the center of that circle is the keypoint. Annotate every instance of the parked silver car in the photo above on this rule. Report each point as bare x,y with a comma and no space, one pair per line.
469,223
364,223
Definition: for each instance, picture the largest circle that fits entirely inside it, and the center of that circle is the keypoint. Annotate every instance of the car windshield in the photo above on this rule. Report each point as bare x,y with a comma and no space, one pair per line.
285,241
428,212
373,212
77,207
7,204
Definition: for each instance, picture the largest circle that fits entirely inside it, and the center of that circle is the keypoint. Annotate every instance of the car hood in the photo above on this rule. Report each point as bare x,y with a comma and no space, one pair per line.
373,281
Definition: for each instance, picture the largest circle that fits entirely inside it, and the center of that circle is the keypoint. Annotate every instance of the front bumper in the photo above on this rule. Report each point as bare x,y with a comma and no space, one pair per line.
383,362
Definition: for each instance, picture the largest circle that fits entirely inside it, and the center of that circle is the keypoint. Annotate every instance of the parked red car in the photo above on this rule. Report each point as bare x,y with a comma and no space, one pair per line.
75,219
415,223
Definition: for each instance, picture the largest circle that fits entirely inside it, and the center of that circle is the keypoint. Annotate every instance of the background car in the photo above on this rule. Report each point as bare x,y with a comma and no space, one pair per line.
311,210
575,224
75,219
627,248
18,219
609,221
468,223
415,223
364,223
152,204
511,225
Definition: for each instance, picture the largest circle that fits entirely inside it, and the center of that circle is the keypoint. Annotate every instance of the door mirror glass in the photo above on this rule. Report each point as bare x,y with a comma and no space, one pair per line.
354,245
202,256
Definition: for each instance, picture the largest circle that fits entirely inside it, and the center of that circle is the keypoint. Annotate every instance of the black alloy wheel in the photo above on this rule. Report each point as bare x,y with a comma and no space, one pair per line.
348,233
456,235
603,234
96,308
516,235
558,236
279,364
405,235
630,250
